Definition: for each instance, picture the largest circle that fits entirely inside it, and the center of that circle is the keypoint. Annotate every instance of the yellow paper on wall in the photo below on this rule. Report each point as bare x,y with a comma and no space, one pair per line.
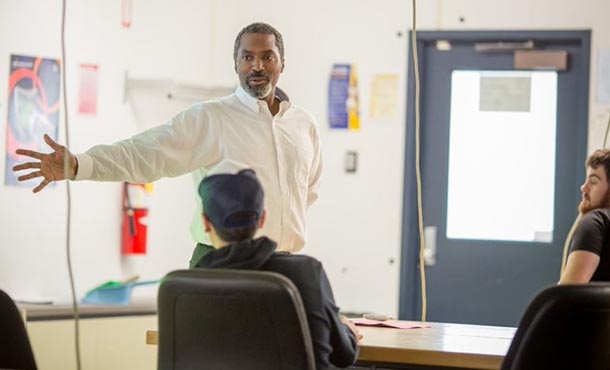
384,97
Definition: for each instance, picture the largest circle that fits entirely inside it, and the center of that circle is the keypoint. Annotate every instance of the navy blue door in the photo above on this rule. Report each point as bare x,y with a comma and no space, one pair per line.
502,159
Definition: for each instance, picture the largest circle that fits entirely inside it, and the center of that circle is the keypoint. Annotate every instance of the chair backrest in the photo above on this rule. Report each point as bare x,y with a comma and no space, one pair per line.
15,349
564,327
232,320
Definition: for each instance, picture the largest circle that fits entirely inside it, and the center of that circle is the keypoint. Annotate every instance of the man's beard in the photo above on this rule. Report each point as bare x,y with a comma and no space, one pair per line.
258,92
586,206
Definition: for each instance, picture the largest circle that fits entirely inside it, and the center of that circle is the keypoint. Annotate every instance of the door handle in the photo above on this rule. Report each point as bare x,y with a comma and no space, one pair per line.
430,245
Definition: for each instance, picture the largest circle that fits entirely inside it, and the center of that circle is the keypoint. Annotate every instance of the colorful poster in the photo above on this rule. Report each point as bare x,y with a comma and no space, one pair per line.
87,94
33,108
343,106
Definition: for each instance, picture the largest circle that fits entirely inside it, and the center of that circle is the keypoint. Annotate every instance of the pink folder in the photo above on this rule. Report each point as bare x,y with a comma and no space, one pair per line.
390,323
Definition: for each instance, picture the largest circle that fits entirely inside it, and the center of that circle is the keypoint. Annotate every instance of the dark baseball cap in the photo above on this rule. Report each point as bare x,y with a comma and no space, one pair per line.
232,199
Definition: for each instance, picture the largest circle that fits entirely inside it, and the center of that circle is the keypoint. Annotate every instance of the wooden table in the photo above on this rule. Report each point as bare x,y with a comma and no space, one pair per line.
443,345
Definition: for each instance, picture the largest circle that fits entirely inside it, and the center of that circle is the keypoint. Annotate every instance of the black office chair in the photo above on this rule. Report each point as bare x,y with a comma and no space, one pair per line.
15,349
564,328
232,320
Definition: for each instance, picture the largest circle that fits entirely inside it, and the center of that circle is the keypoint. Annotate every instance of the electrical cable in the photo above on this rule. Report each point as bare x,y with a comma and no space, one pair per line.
420,216
566,245
68,193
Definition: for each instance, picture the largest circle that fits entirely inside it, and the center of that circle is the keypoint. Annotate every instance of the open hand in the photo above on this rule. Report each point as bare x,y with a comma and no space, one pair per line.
51,167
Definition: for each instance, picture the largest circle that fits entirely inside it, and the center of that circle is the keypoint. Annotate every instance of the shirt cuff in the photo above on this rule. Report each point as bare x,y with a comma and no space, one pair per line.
85,167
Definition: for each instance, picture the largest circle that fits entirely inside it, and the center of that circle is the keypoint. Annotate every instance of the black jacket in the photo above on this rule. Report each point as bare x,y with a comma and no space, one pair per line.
334,343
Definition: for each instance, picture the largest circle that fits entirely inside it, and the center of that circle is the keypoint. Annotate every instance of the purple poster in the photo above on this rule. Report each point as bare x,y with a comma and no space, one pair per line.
337,96
33,108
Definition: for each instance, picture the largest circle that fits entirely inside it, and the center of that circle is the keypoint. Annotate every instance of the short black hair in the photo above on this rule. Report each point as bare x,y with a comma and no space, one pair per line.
237,234
260,28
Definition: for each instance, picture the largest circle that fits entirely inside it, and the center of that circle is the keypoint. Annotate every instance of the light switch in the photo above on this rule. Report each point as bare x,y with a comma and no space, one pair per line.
351,161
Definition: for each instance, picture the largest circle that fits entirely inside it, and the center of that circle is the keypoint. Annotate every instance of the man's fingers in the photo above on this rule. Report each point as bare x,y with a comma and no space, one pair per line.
52,143
30,153
29,176
25,166
41,186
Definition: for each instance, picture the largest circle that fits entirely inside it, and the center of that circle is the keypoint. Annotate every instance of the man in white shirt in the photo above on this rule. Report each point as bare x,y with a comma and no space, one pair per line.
277,139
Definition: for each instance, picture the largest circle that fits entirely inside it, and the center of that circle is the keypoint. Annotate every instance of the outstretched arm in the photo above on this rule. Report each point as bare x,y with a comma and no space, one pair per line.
187,141
55,166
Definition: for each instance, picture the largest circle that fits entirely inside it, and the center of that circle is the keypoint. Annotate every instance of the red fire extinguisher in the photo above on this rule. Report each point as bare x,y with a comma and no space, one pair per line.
135,211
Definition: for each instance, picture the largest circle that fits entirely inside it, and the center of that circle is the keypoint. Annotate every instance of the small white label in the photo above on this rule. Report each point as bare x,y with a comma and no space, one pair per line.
505,94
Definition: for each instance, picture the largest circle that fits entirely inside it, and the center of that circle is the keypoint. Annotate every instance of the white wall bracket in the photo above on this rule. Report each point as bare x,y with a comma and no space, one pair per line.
173,89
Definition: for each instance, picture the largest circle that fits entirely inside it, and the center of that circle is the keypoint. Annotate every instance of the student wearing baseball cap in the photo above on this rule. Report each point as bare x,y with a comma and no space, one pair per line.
233,210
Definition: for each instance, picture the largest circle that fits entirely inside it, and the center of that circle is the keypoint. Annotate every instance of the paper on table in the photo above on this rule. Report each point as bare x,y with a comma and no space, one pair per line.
390,323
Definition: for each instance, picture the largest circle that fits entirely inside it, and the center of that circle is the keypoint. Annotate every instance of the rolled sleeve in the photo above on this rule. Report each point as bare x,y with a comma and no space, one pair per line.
85,167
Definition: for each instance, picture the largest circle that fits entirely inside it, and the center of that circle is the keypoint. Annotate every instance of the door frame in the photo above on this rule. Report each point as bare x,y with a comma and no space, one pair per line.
409,286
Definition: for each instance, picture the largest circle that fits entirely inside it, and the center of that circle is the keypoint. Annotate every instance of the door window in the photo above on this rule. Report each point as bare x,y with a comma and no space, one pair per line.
502,155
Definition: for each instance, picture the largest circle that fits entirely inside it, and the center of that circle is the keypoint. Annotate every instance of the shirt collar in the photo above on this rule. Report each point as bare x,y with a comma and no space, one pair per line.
247,100
257,105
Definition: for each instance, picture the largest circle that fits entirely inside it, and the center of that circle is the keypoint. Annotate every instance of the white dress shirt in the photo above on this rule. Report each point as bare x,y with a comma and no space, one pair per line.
283,150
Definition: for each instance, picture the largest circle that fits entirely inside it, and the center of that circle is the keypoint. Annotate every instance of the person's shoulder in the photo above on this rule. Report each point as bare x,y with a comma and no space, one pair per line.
596,220
195,113
604,212
598,215
220,102
195,109
298,259
209,108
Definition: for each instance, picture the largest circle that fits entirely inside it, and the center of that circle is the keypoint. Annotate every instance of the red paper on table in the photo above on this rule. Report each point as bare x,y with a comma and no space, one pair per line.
397,324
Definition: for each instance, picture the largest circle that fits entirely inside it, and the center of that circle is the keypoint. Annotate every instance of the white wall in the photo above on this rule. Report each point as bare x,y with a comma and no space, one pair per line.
32,237
355,226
